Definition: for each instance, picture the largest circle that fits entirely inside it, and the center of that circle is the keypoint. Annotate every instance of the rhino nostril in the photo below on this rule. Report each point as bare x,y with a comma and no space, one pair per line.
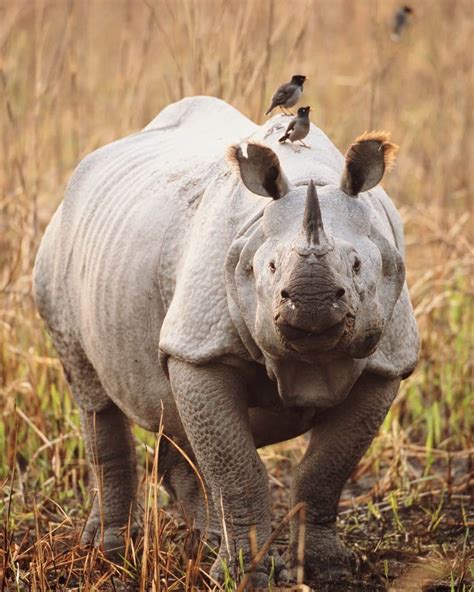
284,295
340,293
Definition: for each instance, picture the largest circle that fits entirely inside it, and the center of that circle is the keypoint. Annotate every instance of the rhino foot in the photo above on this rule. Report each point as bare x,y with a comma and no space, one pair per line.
111,541
272,569
91,528
326,558
207,543
212,542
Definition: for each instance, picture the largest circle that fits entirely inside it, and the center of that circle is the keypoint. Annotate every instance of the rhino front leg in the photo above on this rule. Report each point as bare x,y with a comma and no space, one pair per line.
111,455
211,403
339,439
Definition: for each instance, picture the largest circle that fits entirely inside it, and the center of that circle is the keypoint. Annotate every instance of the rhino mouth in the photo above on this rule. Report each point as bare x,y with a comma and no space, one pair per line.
300,338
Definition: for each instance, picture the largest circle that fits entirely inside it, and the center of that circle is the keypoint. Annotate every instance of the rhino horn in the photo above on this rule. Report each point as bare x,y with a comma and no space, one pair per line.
313,221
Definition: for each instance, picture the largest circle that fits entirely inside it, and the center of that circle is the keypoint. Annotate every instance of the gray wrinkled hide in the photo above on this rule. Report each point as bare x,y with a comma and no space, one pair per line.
143,261
133,260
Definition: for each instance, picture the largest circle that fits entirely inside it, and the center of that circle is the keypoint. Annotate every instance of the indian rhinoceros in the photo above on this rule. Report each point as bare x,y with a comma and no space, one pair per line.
202,276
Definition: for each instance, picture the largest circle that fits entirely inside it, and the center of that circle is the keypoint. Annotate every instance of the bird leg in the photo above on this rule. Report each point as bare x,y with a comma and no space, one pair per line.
303,144
285,111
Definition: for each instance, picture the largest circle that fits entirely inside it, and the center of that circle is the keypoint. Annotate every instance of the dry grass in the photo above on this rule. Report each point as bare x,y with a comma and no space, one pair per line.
75,75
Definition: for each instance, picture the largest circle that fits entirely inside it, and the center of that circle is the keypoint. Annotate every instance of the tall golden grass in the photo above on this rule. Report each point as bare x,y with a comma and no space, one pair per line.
76,75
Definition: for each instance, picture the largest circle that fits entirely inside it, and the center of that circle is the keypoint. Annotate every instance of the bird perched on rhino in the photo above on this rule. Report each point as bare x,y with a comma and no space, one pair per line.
298,128
288,94
401,20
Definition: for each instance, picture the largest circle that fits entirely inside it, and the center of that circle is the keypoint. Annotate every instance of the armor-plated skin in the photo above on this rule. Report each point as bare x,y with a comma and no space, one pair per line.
166,284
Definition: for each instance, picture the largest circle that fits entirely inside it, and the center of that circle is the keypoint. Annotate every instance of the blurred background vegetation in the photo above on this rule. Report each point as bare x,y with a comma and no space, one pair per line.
75,75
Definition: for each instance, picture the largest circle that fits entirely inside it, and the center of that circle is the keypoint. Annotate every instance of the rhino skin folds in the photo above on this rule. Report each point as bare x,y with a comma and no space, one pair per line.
200,274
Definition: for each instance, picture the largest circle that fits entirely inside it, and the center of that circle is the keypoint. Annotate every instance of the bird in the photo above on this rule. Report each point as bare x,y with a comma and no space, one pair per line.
298,128
288,94
400,21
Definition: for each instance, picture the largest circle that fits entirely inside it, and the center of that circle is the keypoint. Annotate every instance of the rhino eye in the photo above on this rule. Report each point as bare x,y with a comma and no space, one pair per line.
356,265
272,267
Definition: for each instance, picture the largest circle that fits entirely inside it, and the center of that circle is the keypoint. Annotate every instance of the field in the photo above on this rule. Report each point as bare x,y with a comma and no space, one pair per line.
76,75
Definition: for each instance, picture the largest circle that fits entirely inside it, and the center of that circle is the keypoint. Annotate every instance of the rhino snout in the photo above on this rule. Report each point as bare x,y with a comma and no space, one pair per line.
320,327
314,312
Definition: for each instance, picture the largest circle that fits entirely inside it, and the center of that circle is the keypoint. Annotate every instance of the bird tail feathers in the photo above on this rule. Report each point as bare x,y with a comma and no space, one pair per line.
270,109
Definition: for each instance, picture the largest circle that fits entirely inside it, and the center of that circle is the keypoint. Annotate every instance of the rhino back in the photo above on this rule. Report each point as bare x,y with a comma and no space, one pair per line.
106,269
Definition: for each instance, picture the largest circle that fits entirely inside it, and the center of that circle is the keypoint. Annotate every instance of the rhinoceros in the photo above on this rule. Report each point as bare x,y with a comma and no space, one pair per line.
200,276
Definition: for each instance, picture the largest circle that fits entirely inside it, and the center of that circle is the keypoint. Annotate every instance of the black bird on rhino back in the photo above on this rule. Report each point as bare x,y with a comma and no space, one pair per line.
298,128
288,94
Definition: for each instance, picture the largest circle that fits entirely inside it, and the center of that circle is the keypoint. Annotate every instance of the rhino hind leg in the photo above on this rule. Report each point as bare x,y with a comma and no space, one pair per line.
111,454
191,494
338,441
109,448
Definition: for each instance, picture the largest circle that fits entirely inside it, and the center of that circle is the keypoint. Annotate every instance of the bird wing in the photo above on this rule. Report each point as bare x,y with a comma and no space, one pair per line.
282,94
291,125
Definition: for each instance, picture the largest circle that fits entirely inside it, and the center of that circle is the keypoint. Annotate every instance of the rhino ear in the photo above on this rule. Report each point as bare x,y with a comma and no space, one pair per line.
259,168
366,162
